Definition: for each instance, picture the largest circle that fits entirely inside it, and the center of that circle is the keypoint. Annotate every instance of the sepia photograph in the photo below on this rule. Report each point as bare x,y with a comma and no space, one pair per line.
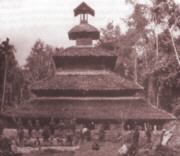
89,78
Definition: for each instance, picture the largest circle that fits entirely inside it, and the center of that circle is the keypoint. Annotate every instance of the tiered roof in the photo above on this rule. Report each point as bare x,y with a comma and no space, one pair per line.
94,94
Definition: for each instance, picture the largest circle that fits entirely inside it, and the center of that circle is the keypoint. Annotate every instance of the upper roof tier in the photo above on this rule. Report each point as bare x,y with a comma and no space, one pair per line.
84,30
84,33
82,57
83,8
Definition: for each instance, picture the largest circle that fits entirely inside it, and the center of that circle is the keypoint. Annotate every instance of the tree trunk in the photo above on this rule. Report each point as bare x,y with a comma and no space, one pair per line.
174,46
4,85
157,47
146,63
135,68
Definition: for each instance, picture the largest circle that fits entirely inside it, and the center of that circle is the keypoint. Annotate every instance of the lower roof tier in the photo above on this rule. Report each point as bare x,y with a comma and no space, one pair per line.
91,109
88,83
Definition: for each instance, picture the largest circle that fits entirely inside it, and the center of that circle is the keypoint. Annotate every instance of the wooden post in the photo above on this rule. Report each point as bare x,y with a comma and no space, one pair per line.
83,17
145,126
155,128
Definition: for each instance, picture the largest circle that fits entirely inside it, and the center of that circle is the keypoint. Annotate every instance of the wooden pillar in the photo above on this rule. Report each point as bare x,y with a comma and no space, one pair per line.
87,17
155,128
145,126
83,17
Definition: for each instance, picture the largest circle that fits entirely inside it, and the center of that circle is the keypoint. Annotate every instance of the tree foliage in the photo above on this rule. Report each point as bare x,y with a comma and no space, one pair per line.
150,38
39,64
160,57
12,80
167,15
110,36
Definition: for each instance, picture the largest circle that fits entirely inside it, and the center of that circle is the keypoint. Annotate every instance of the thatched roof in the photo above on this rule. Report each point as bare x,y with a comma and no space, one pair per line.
85,51
85,62
84,30
83,8
93,109
110,81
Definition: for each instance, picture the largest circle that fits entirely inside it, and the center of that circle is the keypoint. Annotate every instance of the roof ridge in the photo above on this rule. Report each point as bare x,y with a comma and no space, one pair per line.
91,98
162,110
128,80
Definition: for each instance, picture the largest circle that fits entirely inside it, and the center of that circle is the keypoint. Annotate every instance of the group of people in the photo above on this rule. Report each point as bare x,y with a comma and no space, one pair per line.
68,134
62,133
29,127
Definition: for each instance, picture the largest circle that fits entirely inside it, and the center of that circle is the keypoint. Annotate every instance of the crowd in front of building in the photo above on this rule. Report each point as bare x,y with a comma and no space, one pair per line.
67,133
63,133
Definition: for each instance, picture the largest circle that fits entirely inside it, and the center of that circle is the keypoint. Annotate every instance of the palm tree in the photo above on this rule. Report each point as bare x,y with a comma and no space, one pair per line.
6,50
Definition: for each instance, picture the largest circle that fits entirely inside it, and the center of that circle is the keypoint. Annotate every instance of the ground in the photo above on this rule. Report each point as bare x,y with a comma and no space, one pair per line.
106,149
49,153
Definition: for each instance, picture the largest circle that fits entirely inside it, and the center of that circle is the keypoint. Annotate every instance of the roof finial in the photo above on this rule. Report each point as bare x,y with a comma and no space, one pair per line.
83,10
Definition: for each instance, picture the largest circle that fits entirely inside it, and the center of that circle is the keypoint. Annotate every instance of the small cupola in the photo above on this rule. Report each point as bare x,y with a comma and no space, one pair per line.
83,10
84,33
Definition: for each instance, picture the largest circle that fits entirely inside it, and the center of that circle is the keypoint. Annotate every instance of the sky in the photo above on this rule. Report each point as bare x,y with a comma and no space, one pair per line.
25,21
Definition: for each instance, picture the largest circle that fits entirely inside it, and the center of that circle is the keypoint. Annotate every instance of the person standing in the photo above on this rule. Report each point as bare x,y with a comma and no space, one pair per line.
37,128
52,127
102,133
148,134
19,124
21,136
136,135
30,128
38,143
135,140
46,134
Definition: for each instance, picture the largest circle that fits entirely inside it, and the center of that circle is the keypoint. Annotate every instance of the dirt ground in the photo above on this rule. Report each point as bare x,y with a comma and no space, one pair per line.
50,153
106,149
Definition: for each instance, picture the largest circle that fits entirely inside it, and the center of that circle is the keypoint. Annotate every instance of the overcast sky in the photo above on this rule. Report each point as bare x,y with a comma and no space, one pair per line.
25,21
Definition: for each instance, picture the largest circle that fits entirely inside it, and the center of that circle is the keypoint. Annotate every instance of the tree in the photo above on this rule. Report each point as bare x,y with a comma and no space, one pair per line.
7,57
167,14
39,63
157,43
113,40
11,79
167,71
150,48
138,34
110,36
